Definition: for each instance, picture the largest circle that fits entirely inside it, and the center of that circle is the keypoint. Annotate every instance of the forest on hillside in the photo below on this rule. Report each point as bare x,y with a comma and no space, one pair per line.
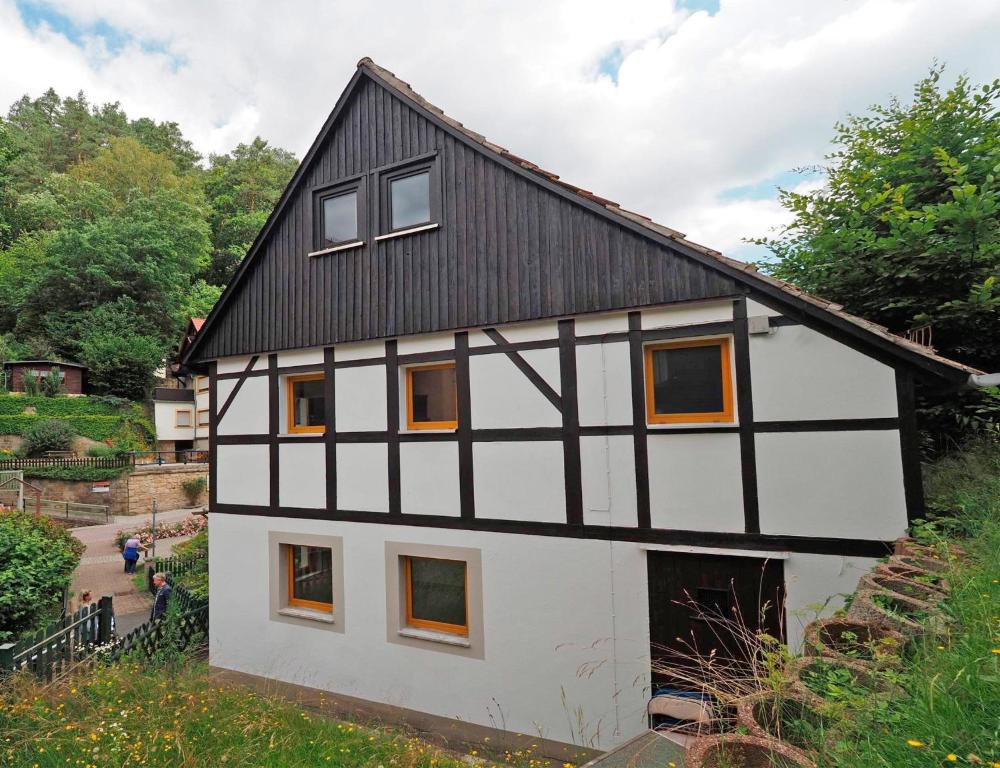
114,231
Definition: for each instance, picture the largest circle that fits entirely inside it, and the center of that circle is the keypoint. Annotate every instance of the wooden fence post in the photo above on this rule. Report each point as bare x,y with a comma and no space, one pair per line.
104,619
6,656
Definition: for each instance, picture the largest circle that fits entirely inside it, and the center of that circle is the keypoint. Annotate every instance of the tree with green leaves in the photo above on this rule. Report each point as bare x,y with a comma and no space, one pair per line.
242,188
906,229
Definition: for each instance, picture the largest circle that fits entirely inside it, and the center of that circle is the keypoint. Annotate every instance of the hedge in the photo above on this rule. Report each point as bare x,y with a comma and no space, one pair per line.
59,407
95,427
88,474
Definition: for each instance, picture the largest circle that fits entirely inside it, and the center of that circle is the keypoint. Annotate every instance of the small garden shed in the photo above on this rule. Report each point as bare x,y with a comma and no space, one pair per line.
73,375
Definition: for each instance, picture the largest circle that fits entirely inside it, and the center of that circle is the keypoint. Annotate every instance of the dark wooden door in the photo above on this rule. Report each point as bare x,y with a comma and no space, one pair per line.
699,604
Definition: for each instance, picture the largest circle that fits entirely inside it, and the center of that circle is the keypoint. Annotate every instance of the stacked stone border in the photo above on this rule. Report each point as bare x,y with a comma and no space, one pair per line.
891,606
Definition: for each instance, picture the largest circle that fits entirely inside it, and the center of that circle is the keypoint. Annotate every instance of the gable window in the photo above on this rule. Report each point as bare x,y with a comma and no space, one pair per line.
182,417
338,217
310,577
689,382
306,403
431,397
436,595
410,200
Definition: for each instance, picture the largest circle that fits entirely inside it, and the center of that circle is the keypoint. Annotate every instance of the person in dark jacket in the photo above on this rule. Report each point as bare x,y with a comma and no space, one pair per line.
131,553
163,592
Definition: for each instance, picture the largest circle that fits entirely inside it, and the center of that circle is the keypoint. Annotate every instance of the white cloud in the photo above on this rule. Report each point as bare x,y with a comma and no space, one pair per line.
703,103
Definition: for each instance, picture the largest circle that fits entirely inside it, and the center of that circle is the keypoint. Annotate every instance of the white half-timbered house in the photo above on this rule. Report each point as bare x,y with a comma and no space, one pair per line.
477,435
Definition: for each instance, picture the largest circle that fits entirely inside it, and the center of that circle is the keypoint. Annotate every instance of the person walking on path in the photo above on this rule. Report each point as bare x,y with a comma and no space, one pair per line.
131,553
163,592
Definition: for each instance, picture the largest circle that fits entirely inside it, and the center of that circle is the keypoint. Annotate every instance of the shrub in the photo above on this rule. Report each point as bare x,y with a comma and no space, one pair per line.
37,559
194,487
50,435
86,474
52,383
101,451
31,386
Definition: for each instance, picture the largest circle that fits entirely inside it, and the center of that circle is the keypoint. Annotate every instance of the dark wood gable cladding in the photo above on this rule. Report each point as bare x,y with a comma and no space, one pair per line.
507,249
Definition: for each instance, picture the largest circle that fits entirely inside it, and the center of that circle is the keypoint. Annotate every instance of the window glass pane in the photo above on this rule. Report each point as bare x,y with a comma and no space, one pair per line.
183,418
410,199
308,403
434,395
340,218
312,574
688,379
437,589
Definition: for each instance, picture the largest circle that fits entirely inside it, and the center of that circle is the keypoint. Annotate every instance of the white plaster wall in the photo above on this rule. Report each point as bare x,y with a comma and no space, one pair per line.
302,475
547,329
566,627
695,482
546,364
687,314
243,474
247,415
238,364
604,386
301,357
363,477
428,478
431,342
592,325
361,350
520,481
798,373
361,398
836,484
164,415
815,586
608,474
755,309
503,397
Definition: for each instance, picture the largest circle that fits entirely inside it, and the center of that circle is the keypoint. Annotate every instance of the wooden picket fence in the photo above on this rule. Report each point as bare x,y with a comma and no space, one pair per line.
52,651
174,567
95,462
191,626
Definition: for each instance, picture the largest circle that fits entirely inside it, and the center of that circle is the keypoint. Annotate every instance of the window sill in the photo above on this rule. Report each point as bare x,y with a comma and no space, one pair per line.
435,637
300,434
448,431
409,231
652,427
336,248
305,613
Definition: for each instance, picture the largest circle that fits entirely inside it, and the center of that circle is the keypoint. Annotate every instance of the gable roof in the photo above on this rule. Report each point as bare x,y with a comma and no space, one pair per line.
824,313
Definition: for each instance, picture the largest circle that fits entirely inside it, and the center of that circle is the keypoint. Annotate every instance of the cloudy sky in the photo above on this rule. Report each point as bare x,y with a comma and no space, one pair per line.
690,111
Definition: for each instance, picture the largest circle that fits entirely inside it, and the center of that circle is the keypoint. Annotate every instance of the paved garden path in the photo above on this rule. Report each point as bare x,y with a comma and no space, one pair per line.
102,569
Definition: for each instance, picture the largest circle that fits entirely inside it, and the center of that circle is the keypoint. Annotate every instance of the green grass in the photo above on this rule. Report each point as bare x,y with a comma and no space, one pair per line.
136,716
952,704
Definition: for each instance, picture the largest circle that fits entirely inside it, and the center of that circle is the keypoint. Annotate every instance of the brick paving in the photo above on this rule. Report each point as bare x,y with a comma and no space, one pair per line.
102,569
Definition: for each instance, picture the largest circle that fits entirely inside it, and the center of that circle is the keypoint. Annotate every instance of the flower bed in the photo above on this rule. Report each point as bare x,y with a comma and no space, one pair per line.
186,527
785,716
745,752
855,640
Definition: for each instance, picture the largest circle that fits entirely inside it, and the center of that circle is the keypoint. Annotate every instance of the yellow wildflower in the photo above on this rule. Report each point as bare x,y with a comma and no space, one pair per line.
915,743
952,757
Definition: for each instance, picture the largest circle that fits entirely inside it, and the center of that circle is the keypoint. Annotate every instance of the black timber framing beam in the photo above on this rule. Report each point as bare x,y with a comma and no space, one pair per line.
213,436
522,365
392,424
570,422
722,540
466,474
909,446
330,435
273,428
637,375
744,409
242,377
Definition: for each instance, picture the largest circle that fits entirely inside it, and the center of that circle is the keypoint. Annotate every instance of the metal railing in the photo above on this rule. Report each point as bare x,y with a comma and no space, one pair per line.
174,567
183,456
73,510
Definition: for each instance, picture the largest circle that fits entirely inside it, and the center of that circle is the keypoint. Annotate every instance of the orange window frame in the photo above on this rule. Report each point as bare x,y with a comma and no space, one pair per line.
410,423
290,383
199,381
710,417
177,418
437,626
298,602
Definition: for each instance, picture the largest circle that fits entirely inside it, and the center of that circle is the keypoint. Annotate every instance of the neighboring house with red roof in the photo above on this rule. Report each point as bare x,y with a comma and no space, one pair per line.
485,444
180,406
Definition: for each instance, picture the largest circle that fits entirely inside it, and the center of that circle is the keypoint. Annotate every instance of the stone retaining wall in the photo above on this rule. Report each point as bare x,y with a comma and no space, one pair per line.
130,494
